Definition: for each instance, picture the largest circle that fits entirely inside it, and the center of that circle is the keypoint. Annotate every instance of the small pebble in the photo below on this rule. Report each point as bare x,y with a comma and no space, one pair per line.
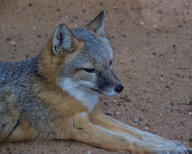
169,84
190,102
182,102
34,28
12,43
155,26
122,62
141,23
101,3
89,152
109,113
124,35
114,101
58,10
190,140
8,39
26,56
136,119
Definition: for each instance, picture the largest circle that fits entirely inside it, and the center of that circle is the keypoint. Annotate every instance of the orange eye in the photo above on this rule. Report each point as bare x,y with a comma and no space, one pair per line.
89,70
110,62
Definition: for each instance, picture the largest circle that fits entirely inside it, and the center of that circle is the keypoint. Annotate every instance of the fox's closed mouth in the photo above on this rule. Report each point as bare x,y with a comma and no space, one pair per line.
96,90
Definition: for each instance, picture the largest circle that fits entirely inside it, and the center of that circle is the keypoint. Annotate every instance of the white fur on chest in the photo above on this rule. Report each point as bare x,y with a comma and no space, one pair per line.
87,98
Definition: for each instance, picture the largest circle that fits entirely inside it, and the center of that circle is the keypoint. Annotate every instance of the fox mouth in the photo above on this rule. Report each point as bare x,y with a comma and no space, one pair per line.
96,90
107,93
91,88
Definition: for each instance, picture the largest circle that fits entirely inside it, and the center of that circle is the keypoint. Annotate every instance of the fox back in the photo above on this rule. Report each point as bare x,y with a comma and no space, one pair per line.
13,71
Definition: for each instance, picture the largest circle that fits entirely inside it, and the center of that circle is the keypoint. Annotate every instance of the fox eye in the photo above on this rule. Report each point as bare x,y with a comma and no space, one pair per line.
110,62
89,70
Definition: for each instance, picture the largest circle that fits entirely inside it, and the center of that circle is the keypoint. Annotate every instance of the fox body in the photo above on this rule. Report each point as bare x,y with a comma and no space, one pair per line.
55,94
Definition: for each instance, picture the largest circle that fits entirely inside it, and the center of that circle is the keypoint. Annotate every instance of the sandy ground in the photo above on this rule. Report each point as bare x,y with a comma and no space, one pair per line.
152,41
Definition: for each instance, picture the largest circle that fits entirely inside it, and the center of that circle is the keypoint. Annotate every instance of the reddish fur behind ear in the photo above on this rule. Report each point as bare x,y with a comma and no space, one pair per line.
49,63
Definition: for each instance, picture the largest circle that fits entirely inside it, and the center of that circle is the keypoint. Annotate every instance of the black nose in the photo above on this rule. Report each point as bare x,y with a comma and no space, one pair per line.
119,88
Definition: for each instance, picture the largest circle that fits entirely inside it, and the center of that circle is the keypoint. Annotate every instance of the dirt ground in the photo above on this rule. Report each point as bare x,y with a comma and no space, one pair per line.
152,41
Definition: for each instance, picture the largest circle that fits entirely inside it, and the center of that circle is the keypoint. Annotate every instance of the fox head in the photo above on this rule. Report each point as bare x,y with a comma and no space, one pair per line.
85,59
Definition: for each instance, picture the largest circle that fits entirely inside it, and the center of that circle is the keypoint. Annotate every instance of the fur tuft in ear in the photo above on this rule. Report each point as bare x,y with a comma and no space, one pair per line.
63,39
97,24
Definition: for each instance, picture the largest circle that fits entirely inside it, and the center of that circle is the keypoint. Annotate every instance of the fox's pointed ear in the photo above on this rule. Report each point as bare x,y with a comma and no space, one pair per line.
63,39
97,24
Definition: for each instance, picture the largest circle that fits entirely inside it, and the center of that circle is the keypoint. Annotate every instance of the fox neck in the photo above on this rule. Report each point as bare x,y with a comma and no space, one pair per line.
89,98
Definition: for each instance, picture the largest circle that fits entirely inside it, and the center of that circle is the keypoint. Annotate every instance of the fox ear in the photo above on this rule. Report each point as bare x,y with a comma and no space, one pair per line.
97,24
63,39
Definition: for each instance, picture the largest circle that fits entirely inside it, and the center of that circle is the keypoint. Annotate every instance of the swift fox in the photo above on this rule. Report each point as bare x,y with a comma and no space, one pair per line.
55,94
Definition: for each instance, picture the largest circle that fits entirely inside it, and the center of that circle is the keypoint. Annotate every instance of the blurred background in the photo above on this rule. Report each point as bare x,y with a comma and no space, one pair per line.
152,42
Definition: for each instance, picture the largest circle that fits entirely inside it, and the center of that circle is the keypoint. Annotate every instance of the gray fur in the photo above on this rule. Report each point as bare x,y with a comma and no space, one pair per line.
97,24
16,91
13,71
98,47
31,108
